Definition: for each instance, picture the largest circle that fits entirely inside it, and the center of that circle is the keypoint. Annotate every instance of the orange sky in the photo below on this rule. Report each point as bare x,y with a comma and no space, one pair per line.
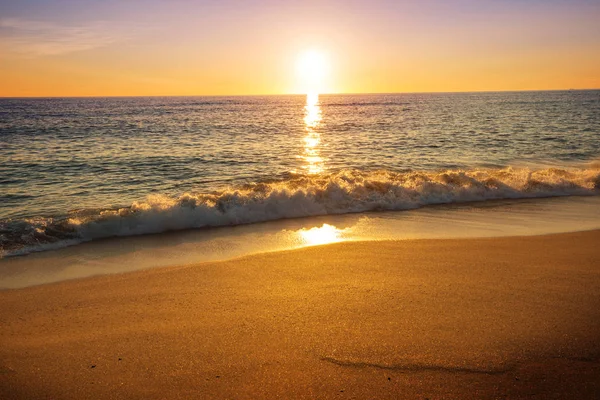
184,47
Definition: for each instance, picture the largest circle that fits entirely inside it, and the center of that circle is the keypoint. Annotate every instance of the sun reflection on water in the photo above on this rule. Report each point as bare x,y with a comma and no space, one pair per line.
312,118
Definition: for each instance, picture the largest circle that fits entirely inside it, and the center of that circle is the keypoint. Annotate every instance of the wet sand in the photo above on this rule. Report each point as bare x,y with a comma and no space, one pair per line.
467,318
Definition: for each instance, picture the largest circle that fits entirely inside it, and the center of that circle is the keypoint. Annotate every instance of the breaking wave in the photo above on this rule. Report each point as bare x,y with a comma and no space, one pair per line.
346,191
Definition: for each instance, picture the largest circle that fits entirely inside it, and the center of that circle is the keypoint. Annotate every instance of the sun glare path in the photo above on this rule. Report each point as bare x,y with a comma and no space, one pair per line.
312,118
312,68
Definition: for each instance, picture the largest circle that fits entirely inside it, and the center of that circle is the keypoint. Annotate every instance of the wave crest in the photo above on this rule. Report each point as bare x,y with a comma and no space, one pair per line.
345,191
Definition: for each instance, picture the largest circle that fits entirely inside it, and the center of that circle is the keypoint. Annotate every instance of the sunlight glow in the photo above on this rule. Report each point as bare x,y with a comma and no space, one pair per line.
323,235
312,68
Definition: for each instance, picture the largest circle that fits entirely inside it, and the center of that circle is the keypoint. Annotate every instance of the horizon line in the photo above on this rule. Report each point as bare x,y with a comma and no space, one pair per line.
300,94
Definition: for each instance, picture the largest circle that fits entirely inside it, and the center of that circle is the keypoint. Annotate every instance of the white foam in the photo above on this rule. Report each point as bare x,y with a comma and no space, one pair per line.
346,191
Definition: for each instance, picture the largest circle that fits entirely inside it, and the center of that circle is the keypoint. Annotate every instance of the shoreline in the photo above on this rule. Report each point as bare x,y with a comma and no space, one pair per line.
451,318
279,251
497,218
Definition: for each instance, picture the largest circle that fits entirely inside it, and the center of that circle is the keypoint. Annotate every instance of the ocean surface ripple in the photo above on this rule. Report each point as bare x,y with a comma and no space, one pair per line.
75,170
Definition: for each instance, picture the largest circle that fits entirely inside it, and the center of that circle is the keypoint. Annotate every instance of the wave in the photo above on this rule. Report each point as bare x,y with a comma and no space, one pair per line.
346,191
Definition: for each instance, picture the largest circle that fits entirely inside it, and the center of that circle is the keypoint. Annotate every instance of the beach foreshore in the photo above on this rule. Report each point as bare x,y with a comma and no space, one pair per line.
512,317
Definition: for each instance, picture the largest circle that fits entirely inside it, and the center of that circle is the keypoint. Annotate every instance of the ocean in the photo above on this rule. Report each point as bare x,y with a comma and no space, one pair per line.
76,170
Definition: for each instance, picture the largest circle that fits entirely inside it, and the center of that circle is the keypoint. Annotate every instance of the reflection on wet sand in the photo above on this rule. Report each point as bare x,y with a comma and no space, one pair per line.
320,235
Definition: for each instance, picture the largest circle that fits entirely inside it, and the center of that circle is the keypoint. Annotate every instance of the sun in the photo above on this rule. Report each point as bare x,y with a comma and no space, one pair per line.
312,68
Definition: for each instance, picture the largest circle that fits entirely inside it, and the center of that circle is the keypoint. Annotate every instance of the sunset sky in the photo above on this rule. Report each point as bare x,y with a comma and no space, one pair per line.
228,47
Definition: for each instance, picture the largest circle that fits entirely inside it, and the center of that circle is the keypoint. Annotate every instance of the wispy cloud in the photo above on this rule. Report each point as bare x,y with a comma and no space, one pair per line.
40,38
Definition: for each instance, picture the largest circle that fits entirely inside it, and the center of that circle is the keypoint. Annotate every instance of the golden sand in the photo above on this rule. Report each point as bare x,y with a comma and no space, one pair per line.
477,318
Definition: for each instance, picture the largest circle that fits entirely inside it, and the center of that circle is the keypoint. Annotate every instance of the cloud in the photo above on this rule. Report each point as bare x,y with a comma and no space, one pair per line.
41,38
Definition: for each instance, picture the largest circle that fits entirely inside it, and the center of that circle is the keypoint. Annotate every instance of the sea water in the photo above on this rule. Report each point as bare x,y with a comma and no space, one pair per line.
76,170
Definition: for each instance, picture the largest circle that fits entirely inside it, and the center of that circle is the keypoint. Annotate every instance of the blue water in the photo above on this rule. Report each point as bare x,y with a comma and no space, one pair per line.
79,169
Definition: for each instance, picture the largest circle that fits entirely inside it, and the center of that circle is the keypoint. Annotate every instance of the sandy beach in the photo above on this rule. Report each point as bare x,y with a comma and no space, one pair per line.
492,318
